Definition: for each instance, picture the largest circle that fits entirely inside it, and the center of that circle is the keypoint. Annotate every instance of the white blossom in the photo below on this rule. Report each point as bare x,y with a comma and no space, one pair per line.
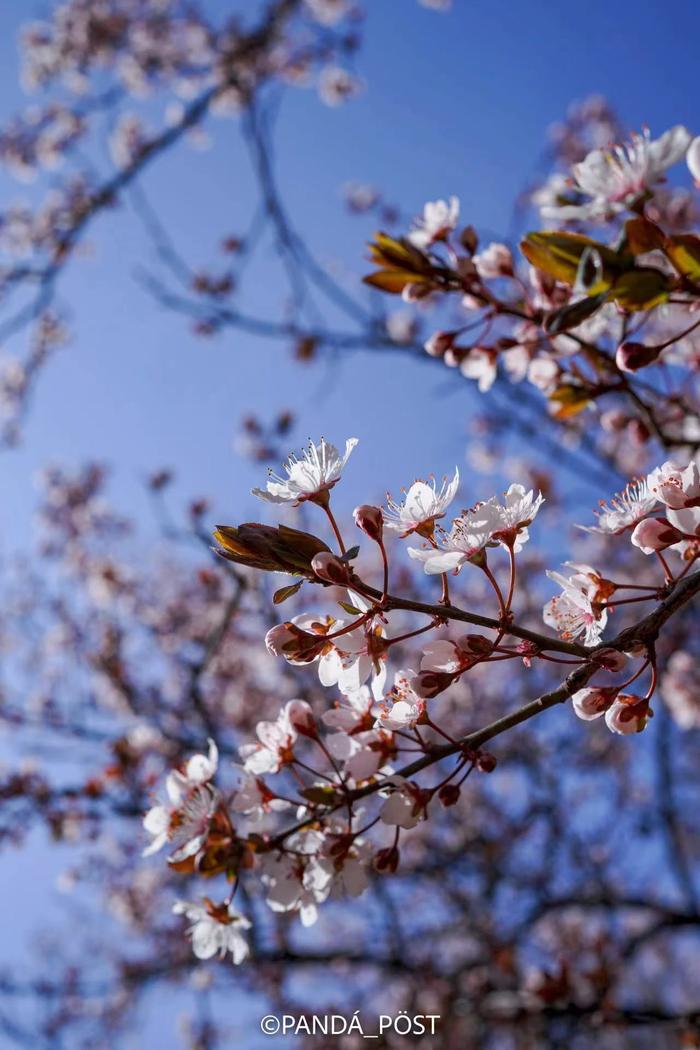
422,506
402,808
573,612
511,519
675,486
276,739
309,477
336,85
184,819
402,708
254,798
438,221
625,510
469,534
494,261
693,159
215,929
613,178
481,365
352,713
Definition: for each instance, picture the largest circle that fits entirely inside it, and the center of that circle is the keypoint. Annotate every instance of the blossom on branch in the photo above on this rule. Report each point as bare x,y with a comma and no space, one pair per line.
421,507
276,740
403,708
309,478
215,928
613,179
626,509
576,612
438,221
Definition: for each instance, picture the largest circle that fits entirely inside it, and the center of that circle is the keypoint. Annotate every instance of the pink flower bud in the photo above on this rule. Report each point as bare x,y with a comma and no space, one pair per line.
655,534
610,659
591,703
429,683
630,357
629,714
370,520
528,650
301,718
475,644
330,568
439,342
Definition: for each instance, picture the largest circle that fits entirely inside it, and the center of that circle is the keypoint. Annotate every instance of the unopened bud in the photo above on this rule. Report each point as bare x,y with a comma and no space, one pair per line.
610,659
590,703
330,568
301,717
629,714
655,534
630,357
528,650
439,342
449,794
475,644
428,684
486,762
371,520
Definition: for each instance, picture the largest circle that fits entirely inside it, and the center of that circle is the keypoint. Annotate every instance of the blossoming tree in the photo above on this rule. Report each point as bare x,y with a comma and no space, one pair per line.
389,739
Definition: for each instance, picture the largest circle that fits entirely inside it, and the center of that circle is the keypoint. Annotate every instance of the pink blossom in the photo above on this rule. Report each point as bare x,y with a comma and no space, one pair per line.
655,534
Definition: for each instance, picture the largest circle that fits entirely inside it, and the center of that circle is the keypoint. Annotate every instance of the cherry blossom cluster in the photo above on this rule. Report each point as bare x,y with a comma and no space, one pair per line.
114,668
316,793
578,318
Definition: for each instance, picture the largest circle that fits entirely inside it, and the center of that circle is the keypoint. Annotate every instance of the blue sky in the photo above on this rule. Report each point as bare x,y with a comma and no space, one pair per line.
456,103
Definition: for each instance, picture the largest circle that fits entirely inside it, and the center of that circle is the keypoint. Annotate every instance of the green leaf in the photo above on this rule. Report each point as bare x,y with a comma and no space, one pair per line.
400,254
350,609
684,253
559,255
573,314
285,592
571,400
640,289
